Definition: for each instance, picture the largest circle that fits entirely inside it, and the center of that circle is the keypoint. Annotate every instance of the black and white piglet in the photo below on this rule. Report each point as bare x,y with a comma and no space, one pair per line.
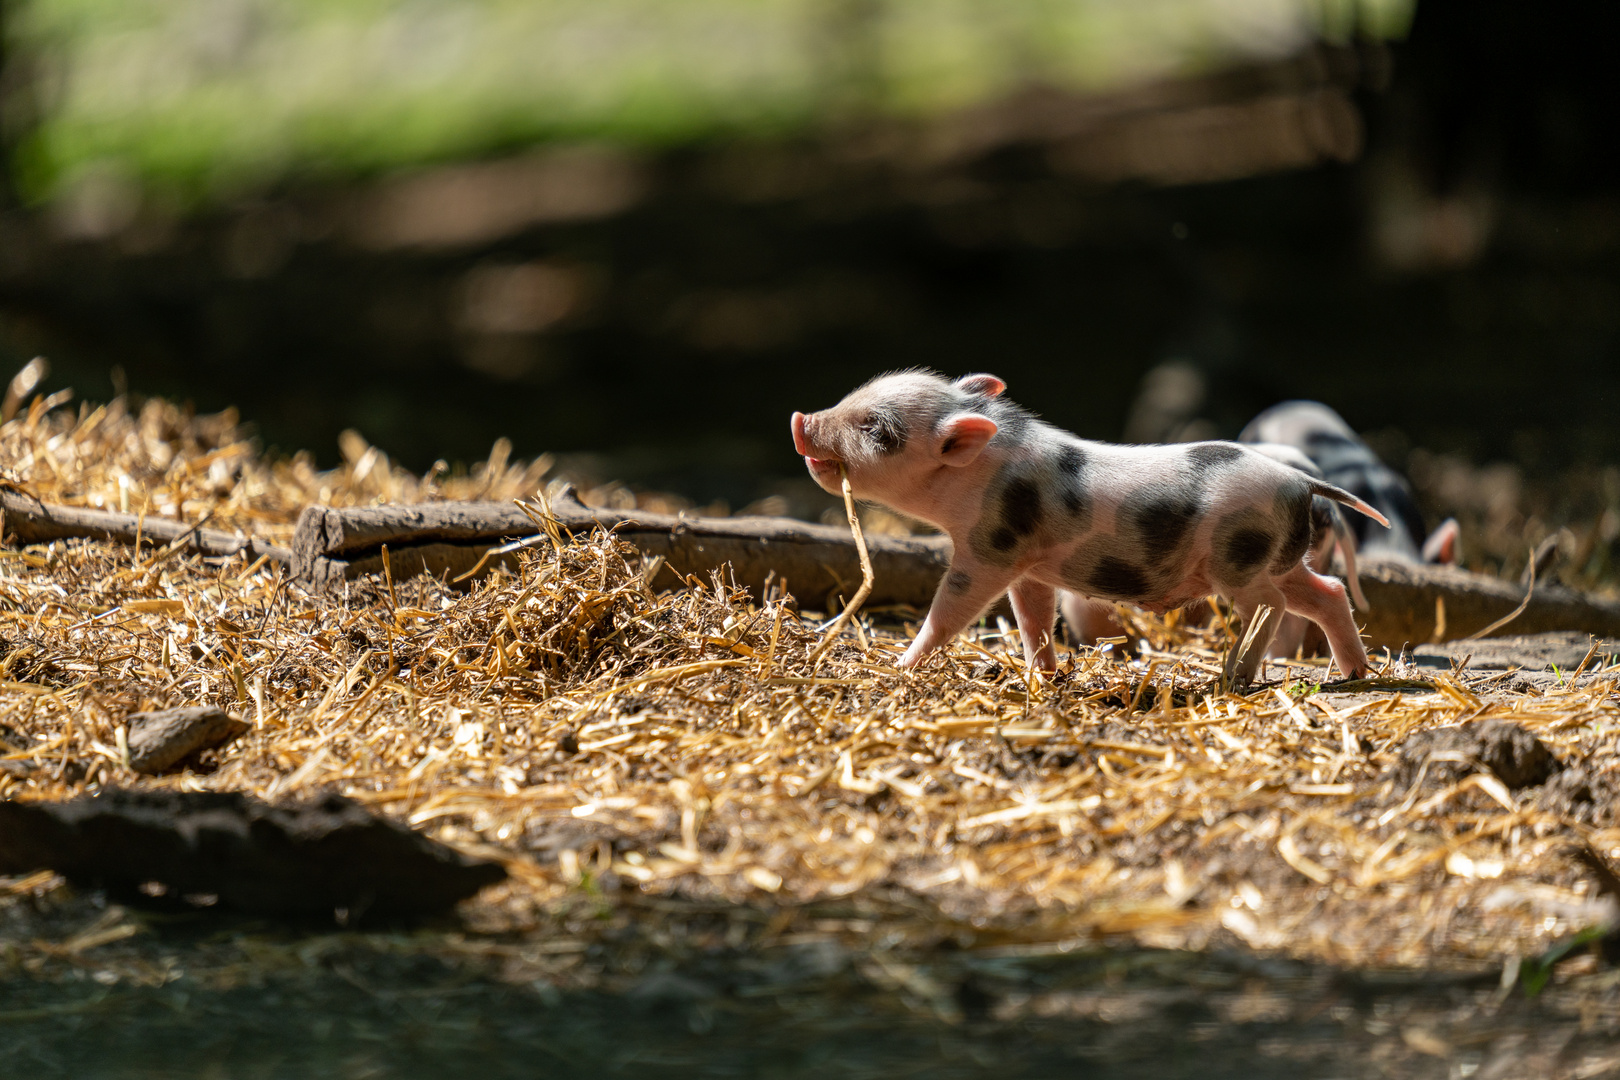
1347,462
1031,509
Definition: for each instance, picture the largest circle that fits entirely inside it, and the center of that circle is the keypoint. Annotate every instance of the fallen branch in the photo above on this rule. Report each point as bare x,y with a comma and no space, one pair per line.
1402,597
819,563
816,563
30,521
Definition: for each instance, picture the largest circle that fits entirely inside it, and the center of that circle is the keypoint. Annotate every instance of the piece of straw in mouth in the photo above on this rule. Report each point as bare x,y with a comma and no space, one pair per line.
866,570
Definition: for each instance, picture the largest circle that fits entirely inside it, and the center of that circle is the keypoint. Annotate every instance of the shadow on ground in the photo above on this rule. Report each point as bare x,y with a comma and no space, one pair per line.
377,1005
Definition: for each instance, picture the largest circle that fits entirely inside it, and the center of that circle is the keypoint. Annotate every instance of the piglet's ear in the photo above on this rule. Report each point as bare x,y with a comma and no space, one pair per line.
987,385
1441,546
963,437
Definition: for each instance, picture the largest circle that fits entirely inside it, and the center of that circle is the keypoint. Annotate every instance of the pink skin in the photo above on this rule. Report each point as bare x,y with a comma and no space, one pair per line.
939,468
938,478
1441,546
1295,630
1089,620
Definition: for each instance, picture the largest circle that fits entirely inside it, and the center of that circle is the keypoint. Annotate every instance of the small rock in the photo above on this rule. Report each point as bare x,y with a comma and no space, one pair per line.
159,740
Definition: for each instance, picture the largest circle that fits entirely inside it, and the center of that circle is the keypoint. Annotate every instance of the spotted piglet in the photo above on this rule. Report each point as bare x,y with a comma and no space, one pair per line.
1031,509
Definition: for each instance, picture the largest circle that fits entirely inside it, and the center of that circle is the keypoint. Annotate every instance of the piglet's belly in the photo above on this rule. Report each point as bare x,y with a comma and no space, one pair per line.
1179,599
1162,596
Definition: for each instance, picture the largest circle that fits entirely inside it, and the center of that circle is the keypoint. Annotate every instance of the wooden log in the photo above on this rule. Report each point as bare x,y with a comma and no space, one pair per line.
33,522
1404,602
816,563
159,740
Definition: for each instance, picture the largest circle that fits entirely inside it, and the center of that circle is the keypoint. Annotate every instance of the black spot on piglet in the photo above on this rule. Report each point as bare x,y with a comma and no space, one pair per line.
1071,463
1021,506
1245,549
1294,507
1210,455
1163,523
1116,578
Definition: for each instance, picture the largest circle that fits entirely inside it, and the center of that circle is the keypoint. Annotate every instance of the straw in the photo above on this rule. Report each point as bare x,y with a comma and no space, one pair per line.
866,571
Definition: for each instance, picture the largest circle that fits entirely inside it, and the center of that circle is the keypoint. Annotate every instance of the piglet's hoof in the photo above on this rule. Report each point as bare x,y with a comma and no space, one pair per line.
911,659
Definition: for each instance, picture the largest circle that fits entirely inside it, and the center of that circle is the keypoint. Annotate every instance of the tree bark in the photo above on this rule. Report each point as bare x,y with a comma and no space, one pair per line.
33,522
816,563
1404,602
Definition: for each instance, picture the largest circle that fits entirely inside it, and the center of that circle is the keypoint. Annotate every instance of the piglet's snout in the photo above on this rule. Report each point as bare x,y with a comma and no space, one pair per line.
806,442
801,443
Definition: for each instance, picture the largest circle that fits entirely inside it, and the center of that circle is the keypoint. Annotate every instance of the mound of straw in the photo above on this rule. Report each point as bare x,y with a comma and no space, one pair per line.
626,751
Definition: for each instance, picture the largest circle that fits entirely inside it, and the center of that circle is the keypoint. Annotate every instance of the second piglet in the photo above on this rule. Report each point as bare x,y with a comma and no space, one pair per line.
1030,509
1345,460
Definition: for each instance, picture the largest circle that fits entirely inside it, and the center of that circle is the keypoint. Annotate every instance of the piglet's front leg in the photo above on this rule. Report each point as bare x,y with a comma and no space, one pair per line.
1035,606
964,593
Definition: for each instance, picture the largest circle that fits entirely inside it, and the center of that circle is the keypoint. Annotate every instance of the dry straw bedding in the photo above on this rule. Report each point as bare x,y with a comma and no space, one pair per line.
622,749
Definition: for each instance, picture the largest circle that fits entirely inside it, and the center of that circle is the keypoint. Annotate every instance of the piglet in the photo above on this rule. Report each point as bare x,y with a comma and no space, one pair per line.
1031,509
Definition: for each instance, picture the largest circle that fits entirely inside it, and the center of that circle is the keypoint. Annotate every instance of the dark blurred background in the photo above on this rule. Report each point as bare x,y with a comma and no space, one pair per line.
640,233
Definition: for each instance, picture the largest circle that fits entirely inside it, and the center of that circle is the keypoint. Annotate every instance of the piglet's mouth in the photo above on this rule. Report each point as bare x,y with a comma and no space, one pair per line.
822,465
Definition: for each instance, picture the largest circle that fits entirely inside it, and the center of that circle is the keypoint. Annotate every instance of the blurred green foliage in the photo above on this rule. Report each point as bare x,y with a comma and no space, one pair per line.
203,98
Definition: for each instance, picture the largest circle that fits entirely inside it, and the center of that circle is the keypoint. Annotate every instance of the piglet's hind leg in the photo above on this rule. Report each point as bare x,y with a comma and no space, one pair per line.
1322,600
963,594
